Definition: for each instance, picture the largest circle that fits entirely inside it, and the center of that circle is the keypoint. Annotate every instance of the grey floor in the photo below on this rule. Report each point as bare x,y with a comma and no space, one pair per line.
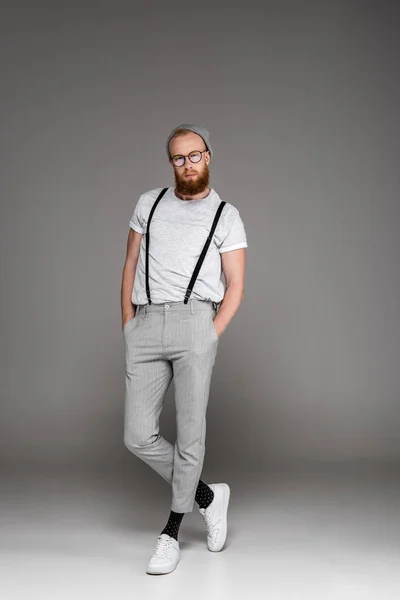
292,535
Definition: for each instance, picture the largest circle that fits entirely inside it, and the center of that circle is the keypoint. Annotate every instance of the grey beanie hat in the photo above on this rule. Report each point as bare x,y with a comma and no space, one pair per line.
201,131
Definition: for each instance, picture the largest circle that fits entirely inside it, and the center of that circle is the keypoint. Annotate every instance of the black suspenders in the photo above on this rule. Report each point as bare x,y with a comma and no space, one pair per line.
203,252
153,208
201,257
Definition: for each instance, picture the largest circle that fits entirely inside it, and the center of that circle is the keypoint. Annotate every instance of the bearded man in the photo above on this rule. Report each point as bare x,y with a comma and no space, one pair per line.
175,307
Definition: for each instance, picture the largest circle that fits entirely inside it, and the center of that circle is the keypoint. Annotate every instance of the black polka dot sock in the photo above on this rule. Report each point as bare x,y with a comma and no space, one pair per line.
172,527
204,495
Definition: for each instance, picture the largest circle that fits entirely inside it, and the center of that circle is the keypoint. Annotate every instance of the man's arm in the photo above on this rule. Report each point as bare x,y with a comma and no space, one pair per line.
233,266
128,275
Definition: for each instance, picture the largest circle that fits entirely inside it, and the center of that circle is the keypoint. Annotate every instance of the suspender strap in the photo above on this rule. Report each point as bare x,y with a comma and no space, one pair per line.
161,194
204,252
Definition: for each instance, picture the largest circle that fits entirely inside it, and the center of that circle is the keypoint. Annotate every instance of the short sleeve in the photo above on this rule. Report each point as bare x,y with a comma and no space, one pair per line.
136,221
236,236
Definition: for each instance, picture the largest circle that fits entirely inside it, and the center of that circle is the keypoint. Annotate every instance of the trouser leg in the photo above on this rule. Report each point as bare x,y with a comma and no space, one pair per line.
193,360
147,378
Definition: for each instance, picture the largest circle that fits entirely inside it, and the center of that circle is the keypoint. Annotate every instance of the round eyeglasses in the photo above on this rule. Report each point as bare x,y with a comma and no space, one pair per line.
194,157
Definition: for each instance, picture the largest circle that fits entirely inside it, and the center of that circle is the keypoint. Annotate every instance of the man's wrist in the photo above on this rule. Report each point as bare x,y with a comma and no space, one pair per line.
219,326
128,312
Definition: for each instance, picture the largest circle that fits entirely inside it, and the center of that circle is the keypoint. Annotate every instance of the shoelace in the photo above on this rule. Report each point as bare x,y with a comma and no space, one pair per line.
162,547
211,532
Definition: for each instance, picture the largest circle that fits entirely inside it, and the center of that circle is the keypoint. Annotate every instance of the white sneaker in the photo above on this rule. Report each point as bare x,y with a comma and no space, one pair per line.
166,557
215,516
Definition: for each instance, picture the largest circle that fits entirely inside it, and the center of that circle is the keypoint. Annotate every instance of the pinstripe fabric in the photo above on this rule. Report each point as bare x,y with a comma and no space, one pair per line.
164,342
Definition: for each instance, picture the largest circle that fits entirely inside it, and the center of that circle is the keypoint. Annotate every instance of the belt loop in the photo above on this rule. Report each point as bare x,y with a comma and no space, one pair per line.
145,311
191,307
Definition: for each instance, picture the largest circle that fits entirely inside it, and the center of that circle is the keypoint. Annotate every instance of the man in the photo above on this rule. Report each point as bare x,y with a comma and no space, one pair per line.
180,239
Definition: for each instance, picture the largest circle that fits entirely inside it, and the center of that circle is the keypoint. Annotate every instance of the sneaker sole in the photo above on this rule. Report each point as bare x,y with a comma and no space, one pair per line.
155,572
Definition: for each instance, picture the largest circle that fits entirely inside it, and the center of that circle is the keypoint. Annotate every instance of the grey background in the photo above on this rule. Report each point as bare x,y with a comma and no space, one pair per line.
301,100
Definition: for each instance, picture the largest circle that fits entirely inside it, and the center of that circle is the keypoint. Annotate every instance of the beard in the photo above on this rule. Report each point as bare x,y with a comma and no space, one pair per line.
194,185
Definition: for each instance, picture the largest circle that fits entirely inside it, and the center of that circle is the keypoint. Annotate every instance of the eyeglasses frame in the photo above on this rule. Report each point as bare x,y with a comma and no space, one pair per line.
185,156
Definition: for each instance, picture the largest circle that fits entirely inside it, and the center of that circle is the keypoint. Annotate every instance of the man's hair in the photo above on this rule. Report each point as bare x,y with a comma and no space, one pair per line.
182,131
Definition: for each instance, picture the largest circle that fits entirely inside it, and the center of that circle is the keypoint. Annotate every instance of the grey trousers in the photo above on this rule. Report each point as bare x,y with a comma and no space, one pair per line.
165,341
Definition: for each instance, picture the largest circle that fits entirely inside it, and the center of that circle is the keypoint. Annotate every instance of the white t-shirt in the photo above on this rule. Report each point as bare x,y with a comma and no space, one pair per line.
178,232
